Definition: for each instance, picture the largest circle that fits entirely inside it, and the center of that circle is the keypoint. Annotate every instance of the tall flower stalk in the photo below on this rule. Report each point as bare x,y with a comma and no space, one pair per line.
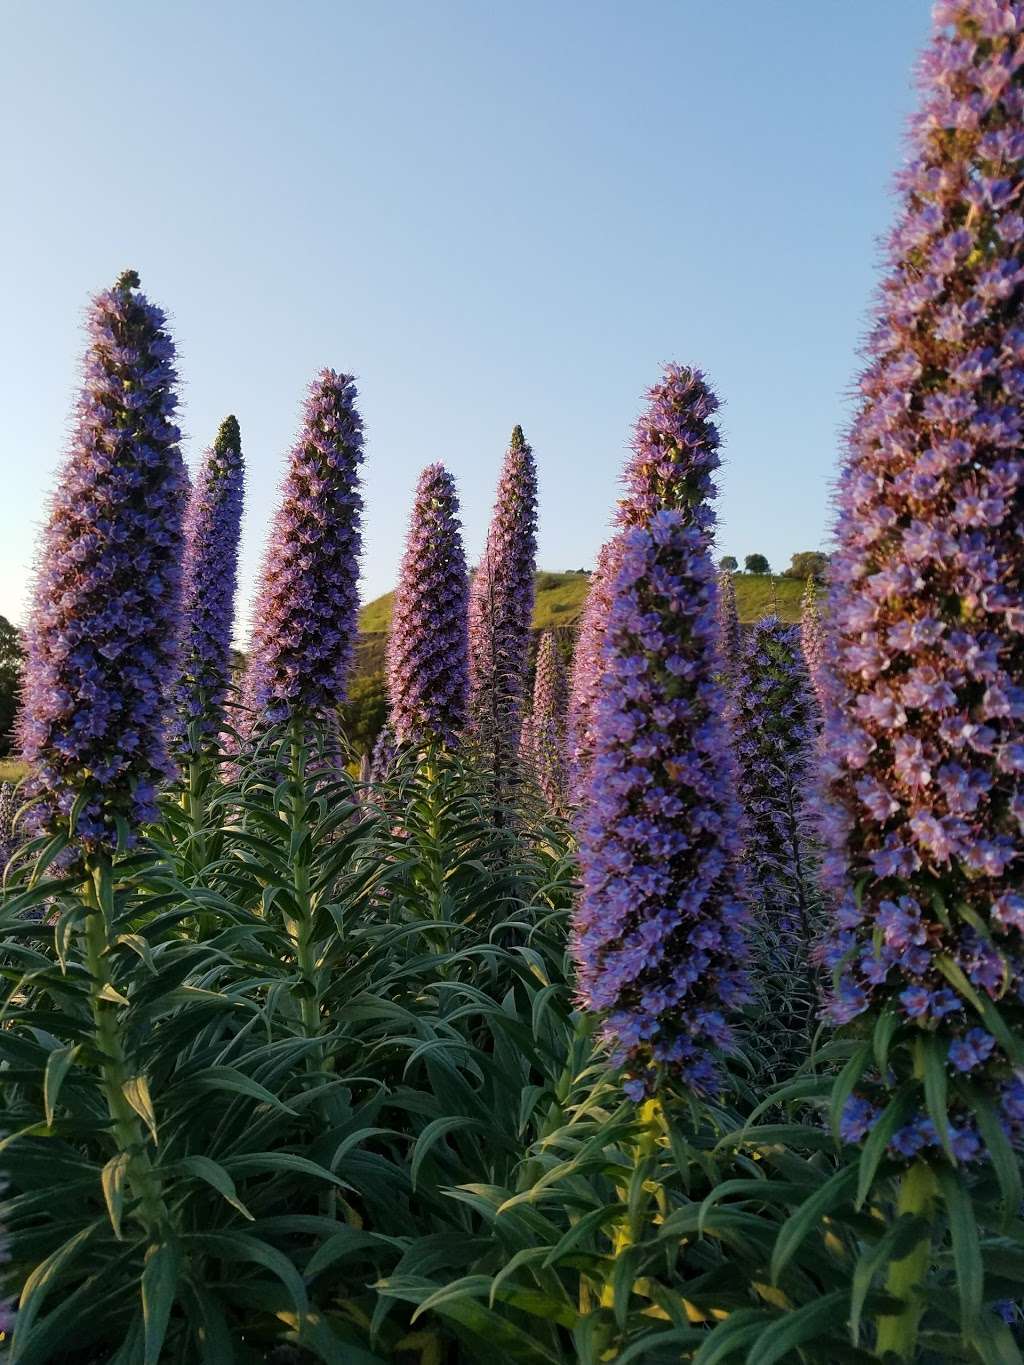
926,612
547,721
304,620
775,730
658,935
812,639
102,646
587,665
304,630
428,671
501,612
730,635
213,525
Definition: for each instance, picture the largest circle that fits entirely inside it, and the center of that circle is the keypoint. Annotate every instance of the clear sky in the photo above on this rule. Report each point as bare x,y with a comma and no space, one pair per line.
489,213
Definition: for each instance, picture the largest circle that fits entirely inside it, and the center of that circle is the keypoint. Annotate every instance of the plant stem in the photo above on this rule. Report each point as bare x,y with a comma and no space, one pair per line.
898,1334
143,1179
300,925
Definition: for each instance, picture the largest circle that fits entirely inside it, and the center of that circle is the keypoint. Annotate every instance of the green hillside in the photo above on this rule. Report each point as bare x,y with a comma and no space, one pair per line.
560,598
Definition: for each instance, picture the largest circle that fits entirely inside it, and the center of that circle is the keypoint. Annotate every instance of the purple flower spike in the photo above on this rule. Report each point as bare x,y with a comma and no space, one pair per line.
212,528
812,639
501,606
306,608
775,729
428,670
587,666
658,936
675,452
730,636
547,721
925,713
103,637
385,752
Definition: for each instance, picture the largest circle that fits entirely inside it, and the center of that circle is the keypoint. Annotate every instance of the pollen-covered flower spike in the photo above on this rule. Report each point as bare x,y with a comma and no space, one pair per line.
925,713
501,606
730,635
547,721
658,936
304,622
103,635
212,528
775,733
428,671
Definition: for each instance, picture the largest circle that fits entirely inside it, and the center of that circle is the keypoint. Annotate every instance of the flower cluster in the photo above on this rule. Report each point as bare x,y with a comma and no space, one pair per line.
586,668
428,671
547,721
213,524
730,636
385,751
775,732
926,657
675,452
304,621
659,933
501,604
812,638
102,640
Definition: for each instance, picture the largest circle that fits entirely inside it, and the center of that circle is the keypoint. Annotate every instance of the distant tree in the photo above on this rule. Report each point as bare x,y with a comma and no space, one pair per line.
808,564
756,564
11,656
728,564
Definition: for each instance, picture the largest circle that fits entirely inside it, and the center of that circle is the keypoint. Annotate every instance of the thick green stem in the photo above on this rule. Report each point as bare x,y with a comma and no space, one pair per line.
300,925
129,1135
898,1334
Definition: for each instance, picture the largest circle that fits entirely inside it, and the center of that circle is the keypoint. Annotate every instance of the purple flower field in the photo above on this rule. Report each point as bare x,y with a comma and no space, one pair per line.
649,987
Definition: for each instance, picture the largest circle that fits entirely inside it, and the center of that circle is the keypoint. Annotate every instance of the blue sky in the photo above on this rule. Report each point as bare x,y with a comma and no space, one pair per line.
490,214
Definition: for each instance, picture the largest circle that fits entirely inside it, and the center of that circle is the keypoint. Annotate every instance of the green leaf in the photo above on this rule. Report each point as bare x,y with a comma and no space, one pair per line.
845,1083
894,1114
458,1303
159,1290
214,1174
254,1163
136,1092
432,1134
240,1246
58,1064
963,1229
227,1078
38,1284
799,1224
737,1331
346,1242
1005,1161
796,1327
112,1179
593,1221
932,1053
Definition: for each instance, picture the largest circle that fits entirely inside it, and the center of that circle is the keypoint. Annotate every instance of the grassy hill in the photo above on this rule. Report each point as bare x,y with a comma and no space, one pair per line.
560,598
